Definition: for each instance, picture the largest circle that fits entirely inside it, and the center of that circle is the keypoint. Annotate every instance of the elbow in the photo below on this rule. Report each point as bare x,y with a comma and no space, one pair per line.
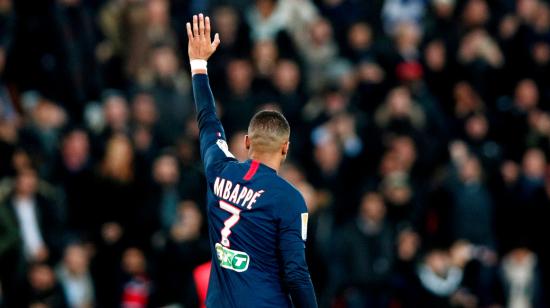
298,280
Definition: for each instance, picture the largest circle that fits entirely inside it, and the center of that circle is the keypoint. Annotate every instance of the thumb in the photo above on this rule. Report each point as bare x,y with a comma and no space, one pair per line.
216,41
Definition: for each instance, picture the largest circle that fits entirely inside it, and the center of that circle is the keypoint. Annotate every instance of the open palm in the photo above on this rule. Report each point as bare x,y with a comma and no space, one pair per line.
201,46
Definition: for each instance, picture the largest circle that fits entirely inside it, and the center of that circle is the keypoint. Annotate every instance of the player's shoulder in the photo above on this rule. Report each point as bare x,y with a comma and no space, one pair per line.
281,184
291,189
290,193
231,167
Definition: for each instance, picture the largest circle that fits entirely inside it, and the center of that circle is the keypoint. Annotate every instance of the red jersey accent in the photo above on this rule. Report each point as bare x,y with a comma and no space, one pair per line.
253,168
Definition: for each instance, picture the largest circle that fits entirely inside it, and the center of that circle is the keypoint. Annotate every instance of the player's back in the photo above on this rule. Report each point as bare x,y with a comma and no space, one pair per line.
250,210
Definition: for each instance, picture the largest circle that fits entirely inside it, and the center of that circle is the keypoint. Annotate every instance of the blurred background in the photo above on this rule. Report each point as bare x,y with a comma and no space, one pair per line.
420,141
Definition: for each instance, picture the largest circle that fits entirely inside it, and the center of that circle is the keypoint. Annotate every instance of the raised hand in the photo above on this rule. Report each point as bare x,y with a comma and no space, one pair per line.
201,46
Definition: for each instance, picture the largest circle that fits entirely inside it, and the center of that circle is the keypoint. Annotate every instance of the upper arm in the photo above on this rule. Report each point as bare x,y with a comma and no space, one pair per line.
214,150
293,219
292,237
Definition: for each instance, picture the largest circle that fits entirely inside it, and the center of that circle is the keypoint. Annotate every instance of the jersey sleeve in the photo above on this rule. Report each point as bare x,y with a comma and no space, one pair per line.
292,236
293,222
213,145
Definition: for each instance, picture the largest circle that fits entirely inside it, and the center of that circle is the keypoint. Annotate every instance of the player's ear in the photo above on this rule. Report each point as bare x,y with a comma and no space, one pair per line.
285,148
247,142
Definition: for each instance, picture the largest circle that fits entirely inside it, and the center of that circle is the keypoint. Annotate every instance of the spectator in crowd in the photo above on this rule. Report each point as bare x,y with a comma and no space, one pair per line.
238,102
115,113
475,14
360,42
403,211
466,101
170,88
363,259
229,23
440,21
74,277
183,241
520,273
116,203
407,40
166,174
318,49
132,30
38,218
42,133
399,113
74,173
516,114
78,41
272,17
268,15
440,277
437,67
405,281
523,202
187,153
265,55
45,289
145,130
478,138
480,57
395,12
160,209
471,213
115,195
136,288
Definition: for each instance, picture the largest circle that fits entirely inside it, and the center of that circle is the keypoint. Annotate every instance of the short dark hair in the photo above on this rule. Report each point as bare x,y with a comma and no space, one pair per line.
268,130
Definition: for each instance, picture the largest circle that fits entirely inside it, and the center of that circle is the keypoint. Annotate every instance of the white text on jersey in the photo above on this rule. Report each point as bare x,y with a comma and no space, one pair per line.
237,194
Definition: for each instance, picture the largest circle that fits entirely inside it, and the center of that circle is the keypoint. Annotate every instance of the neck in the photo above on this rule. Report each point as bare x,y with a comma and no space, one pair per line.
268,159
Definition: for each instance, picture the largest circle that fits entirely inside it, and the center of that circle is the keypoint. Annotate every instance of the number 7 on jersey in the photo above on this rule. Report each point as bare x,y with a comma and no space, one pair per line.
230,222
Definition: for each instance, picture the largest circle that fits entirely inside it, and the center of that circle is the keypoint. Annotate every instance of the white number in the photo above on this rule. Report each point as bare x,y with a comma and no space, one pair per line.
230,222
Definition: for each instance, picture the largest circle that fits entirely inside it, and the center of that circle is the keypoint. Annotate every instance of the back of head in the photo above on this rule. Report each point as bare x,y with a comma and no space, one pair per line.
268,131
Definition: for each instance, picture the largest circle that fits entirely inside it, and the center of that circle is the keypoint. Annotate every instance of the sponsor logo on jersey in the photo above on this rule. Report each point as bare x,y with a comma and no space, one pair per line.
232,259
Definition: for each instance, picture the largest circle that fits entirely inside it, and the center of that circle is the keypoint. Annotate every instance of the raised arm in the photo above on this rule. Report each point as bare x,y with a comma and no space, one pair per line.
214,151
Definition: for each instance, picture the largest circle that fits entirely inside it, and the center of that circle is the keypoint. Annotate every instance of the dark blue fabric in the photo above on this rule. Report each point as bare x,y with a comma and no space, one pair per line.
268,230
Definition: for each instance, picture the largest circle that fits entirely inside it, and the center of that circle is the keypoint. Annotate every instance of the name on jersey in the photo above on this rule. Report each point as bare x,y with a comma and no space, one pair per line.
236,193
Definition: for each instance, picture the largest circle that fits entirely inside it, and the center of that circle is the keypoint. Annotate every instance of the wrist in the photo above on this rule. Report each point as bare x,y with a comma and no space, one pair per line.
198,66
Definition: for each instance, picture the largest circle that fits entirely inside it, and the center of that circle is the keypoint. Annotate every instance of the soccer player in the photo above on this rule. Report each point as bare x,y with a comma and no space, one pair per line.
257,221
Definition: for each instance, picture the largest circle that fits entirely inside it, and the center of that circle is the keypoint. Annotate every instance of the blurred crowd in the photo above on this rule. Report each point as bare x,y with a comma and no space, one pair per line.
420,141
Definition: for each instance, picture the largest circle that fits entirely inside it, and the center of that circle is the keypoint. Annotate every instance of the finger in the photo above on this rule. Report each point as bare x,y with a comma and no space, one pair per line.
207,27
201,25
195,26
216,42
189,32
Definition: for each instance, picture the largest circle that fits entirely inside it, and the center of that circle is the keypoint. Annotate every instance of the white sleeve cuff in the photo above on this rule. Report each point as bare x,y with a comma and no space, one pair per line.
198,64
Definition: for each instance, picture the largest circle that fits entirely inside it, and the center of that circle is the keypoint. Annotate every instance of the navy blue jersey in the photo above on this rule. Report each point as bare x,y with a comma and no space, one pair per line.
257,224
